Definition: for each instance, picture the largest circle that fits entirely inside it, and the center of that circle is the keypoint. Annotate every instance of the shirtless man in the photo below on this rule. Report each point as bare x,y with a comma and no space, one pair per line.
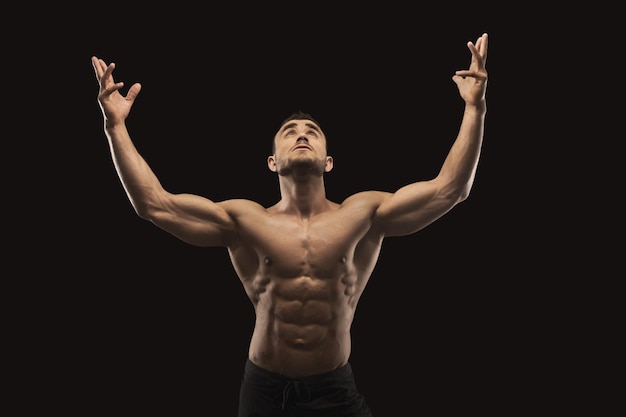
305,261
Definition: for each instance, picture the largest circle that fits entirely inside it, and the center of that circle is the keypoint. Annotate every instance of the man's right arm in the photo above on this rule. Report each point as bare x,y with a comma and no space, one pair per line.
191,218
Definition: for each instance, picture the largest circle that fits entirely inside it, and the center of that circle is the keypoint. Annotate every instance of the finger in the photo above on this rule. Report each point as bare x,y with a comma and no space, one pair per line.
97,67
107,78
102,70
477,58
478,75
482,45
110,89
108,69
133,91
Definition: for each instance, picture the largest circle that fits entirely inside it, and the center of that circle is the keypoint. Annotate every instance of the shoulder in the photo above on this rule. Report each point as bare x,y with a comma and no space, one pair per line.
238,207
366,198
364,203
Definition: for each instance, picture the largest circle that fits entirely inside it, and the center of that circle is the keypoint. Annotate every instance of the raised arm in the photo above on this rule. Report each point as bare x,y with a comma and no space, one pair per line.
192,218
416,205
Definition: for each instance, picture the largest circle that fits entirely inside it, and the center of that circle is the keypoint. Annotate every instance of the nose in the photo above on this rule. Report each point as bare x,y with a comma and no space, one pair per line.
302,137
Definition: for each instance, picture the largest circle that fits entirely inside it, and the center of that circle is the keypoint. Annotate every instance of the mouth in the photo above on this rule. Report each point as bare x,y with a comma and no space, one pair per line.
299,147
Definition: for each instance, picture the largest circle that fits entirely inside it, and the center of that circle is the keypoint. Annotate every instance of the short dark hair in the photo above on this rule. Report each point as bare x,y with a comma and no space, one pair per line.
298,115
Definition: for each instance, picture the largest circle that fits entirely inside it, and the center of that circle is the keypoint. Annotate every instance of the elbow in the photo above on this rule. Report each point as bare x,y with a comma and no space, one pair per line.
144,210
149,204
459,190
464,193
458,194
457,187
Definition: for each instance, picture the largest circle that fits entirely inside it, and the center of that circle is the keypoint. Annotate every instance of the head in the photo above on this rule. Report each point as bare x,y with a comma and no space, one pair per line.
299,147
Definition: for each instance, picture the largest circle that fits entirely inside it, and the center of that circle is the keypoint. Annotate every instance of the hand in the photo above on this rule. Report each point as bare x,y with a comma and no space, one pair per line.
115,107
472,83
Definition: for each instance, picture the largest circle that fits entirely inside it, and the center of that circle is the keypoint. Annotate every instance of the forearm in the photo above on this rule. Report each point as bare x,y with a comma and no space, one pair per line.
139,181
459,167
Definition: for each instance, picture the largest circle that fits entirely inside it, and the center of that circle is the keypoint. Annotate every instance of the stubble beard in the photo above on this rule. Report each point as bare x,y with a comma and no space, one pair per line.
301,168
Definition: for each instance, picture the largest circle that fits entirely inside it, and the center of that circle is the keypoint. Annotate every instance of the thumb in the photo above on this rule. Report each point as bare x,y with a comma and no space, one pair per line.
133,92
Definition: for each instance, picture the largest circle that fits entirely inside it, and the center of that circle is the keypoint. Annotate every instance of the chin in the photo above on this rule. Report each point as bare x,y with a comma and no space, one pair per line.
302,168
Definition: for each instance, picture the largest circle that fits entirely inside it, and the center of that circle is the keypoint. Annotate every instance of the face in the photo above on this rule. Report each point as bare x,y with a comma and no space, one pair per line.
300,150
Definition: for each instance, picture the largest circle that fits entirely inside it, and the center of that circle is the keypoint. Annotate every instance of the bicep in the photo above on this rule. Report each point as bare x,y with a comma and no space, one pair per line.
412,208
194,219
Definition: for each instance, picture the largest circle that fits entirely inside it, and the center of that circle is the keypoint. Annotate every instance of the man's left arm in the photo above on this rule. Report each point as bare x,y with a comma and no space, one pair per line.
416,205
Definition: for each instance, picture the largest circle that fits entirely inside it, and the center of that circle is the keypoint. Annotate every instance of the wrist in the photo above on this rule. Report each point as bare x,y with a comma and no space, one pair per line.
110,124
478,108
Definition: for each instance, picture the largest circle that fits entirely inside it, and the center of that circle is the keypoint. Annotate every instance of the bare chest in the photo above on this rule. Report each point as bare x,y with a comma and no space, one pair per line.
320,247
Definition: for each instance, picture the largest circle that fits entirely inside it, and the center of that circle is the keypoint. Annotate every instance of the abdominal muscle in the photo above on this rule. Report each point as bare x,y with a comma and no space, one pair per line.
302,325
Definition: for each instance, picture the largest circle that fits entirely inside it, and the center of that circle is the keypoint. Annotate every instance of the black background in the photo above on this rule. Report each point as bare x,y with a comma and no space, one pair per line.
119,318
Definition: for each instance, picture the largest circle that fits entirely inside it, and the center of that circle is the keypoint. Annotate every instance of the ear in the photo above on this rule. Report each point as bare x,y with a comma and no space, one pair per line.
329,164
271,163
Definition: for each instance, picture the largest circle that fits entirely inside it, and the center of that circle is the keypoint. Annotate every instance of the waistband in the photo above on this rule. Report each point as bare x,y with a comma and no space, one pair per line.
345,371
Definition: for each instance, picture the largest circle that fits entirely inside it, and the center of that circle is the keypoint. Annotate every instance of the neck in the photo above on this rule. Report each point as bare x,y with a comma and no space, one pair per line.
306,197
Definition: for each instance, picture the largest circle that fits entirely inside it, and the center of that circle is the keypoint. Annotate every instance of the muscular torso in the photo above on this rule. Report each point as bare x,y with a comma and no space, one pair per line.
304,278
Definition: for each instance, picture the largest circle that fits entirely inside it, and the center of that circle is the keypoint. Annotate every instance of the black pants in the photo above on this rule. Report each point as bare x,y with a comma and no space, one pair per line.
332,394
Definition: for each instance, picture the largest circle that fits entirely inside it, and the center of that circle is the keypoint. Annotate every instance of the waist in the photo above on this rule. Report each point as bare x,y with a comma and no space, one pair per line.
254,372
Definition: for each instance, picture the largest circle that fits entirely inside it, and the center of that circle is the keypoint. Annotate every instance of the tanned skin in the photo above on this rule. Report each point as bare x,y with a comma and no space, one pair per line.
305,261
